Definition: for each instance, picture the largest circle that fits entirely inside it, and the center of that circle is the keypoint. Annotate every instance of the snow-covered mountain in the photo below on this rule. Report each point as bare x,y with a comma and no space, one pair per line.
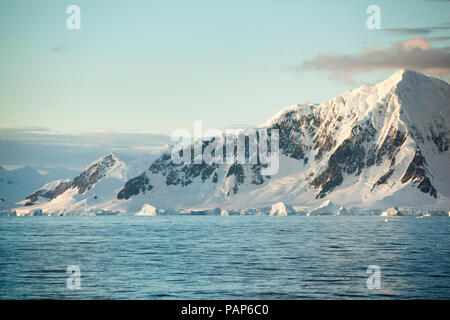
375,147
98,183
89,192
16,184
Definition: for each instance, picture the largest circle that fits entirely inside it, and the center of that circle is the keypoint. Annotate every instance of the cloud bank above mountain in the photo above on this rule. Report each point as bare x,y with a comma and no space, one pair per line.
415,53
37,146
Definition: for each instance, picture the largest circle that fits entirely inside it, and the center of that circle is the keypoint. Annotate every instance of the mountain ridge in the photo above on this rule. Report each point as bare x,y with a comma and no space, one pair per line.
372,147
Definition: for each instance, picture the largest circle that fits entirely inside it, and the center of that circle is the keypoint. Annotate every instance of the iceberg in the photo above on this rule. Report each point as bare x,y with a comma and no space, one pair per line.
147,210
326,208
278,209
391,212
342,212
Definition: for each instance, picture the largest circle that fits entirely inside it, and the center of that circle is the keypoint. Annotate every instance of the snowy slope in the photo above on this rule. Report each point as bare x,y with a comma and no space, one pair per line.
87,192
16,184
375,147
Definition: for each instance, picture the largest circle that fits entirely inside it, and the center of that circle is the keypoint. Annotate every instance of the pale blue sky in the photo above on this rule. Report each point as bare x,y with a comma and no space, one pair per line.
153,66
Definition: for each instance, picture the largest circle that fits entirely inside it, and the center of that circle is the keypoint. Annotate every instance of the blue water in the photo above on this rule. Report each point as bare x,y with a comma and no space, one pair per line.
213,257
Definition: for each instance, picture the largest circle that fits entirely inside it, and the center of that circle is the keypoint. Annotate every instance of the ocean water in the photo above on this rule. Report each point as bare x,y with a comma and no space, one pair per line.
235,257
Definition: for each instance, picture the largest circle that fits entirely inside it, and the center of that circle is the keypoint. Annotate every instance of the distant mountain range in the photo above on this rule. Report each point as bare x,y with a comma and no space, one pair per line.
16,184
375,147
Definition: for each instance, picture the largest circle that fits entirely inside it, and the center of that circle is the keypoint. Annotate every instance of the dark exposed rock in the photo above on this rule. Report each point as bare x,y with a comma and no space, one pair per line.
440,140
396,143
94,173
135,186
391,145
184,174
291,129
416,173
324,143
173,179
371,156
416,168
49,194
392,162
426,187
348,158
384,178
207,171
328,180
257,178
160,164
60,189
238,171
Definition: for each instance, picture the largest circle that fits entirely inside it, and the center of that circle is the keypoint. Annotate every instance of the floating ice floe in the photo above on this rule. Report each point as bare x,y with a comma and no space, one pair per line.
391,212
147,210
342,212
278,209
328,208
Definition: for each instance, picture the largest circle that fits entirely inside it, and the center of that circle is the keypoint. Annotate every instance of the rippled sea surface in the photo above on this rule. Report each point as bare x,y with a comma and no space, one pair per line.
213,257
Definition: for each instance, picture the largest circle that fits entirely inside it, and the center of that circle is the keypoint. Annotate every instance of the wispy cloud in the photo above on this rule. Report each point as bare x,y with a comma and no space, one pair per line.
417,30
415,53
15,130
37,146
441,27
443,38
408,31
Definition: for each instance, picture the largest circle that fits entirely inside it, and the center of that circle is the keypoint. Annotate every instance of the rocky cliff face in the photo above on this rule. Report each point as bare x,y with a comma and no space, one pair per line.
93,173
378,146
47,193
80,184
386,137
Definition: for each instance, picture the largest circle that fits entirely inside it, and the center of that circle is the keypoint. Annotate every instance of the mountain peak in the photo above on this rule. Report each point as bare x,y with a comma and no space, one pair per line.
94,172
301,109
110,156
407,75
406,72
107,159
377,146
27,170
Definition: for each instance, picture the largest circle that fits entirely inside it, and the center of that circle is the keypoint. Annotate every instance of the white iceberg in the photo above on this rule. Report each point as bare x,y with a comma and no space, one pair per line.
278,209
326,208
147,210
342,212
391,212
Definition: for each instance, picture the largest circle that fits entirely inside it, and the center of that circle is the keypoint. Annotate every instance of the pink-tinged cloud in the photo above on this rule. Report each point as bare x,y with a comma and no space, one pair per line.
416,54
